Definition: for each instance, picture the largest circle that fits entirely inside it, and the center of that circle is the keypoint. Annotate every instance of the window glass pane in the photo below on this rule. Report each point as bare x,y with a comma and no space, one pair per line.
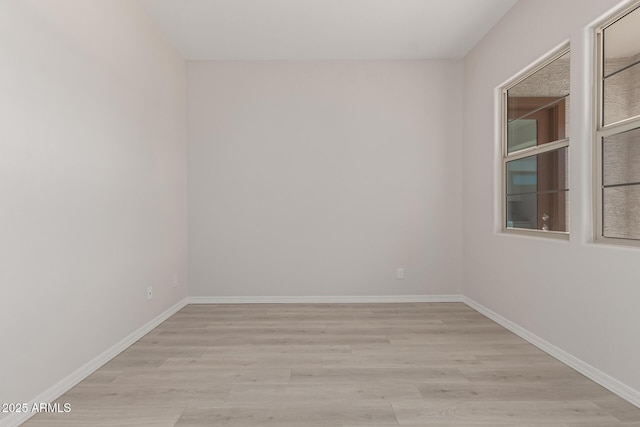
622,95
621,48
540,173
546,124
522,134
621,212
522,176
548,85
522,211
537,107
546,211
621,158
537,192
553,211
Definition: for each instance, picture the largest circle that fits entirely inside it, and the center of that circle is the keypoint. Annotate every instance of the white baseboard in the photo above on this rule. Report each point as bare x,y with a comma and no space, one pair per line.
64,385
606,381
337,299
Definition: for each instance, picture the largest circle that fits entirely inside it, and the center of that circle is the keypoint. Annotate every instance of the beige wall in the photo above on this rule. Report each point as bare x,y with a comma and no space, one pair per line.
579,296
92,184
321,178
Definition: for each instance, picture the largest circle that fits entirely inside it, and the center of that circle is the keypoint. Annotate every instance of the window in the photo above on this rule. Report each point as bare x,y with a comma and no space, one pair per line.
618,130
535,123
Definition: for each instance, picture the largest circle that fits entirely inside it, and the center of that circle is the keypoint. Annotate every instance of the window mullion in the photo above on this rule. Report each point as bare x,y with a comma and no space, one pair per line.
539,149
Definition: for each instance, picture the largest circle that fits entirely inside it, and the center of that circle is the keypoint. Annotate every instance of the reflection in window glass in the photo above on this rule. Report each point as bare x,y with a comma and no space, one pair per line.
537,191
621,158
537,107
621,217
621,95
546,86
522,134
620,45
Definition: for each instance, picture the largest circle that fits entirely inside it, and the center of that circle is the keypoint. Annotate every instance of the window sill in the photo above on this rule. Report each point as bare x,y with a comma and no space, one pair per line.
619,242
555,235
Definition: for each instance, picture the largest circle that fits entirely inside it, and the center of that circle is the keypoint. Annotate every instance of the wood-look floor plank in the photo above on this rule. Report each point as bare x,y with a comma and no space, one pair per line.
305,394
184,376
251,340
514,374
318,350
391,360
376,375
542,412
457,423
620,408
286,361
291,416
528,392
589,424
143,394
107,416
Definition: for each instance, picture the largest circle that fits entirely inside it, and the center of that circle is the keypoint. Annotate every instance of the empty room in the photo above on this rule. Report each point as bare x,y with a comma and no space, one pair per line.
329,213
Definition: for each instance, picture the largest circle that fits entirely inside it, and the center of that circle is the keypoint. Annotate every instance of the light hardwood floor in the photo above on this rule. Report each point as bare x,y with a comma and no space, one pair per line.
337,365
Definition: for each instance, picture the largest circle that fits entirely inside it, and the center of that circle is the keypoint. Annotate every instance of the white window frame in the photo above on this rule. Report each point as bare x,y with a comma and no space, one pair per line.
602,131
540,149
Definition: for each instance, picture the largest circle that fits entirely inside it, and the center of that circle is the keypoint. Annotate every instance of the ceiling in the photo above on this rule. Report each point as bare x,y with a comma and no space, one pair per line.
325,29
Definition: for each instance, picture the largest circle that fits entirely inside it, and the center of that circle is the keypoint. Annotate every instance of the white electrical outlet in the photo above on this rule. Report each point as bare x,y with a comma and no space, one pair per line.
150,292
175,280
400,273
